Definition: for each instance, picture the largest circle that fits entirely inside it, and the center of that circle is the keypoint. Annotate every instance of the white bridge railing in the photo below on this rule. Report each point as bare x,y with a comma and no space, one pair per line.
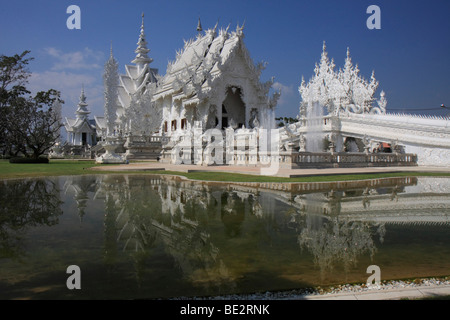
346,159
244,150
145,139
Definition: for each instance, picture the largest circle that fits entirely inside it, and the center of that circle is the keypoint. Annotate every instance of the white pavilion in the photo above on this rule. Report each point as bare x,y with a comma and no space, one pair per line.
81,131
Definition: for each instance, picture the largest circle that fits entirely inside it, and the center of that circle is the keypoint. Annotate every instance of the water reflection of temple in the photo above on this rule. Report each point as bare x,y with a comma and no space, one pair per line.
81,186
144,213
337,225
425,201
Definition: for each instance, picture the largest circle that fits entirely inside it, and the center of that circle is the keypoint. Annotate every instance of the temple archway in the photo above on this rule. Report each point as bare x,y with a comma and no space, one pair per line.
233,108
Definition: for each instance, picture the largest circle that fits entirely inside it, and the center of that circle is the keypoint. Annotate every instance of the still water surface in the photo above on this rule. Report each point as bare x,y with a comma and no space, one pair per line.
145,237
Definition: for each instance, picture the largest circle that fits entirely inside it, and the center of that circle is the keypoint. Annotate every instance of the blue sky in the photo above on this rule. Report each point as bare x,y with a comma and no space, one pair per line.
410,53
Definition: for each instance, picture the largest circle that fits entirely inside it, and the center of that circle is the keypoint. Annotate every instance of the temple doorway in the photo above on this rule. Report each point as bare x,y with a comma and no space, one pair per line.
224,117
233,108
84,138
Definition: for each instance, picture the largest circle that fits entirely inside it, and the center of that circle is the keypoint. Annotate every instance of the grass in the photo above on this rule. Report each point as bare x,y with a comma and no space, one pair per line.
77,167
53,168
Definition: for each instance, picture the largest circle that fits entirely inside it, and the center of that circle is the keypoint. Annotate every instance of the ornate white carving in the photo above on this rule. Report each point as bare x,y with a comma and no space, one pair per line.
344,91
110,156
111,81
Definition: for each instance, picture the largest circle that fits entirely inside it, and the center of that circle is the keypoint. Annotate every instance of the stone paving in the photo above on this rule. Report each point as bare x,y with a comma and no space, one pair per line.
391,294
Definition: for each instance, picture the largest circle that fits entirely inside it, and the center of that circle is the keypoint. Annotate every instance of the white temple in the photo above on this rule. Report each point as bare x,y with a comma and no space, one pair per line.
81,131
210,107
213,83
213,80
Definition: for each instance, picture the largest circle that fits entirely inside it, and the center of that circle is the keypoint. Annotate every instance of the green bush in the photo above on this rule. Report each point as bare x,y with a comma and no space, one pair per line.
28,160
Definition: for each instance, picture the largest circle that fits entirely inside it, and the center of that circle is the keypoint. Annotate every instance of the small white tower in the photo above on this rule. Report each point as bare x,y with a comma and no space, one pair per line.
81,130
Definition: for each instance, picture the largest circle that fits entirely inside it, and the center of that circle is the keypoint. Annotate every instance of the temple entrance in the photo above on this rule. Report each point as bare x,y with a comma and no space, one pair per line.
224,117
84,138
233,108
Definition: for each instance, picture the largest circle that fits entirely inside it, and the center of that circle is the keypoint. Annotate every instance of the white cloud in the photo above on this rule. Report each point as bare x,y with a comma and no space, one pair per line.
286,92
68,72
59,80
289,100
69,84
86,59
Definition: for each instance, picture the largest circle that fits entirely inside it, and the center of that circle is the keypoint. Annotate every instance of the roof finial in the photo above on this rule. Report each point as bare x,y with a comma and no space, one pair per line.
199,26
82,110
239,29
82,96
142,51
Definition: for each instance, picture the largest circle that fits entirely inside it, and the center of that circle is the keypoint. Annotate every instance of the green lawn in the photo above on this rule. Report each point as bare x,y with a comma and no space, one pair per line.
54,168
74,167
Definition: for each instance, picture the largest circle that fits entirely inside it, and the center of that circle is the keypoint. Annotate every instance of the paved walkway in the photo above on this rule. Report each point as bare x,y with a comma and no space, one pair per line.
290,173
389,294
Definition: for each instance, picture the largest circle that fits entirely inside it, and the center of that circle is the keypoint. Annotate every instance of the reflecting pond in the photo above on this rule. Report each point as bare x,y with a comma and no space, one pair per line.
146,237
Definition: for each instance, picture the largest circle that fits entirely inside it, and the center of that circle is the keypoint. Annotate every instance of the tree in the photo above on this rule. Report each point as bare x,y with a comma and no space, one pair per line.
13,76
285,120
29,125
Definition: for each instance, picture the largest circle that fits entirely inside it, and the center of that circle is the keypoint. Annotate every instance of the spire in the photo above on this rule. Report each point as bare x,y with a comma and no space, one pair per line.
199,26
324,61
82,110
348,61
141,50
111,59
82,96
240,29
324,57
110,83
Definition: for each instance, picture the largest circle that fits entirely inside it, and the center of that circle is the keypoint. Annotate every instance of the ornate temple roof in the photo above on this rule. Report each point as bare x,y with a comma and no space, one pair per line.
78,125
203,69
100,123
202,60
